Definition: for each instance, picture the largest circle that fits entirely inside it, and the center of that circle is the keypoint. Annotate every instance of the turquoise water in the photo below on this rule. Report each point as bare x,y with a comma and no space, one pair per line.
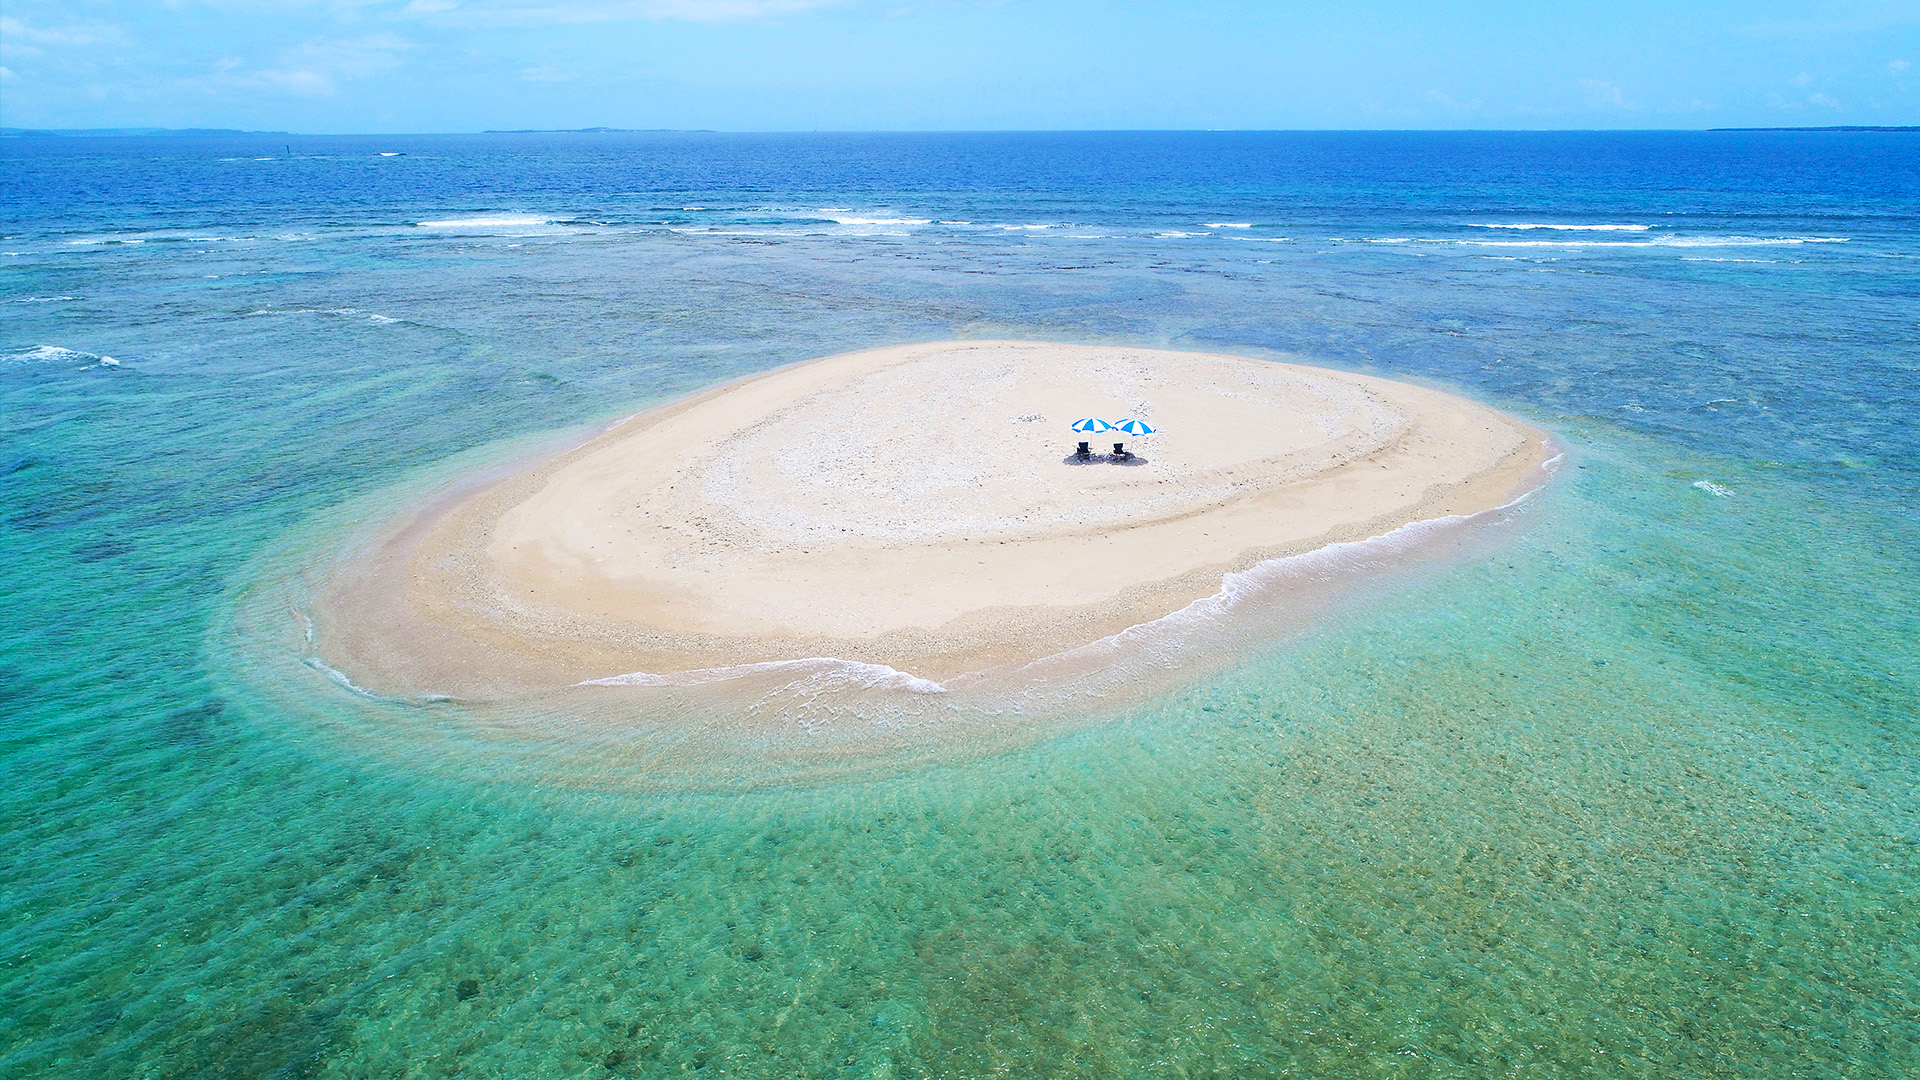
1625,790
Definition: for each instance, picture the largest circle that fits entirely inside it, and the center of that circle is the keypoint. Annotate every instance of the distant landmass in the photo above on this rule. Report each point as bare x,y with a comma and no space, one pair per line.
1829,127
28,133
132,132
580,131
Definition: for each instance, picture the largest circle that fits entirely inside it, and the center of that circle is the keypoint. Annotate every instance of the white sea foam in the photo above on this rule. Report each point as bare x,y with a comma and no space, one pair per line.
341,678
702,230
41,299
848,217
320,311
1168,637
500,221
1227,224
1655,242
55,354
812,673
1660,242
1568,228
1712,488
338,676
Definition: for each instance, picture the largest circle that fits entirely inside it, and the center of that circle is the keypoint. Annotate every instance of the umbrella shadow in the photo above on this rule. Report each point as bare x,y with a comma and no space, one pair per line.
1103,459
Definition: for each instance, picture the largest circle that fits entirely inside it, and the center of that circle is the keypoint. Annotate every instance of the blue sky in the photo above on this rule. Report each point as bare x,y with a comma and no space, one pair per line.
468,65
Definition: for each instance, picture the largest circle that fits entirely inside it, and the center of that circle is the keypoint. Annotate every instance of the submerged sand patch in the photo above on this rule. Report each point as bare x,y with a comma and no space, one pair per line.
914,507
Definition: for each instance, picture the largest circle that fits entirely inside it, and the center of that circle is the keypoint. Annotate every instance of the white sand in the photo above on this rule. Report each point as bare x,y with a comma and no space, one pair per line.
911,506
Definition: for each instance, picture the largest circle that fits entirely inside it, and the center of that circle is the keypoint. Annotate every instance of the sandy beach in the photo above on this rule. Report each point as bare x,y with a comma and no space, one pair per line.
916,506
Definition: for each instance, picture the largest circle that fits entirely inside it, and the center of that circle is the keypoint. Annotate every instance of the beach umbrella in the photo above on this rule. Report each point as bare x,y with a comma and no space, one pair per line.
1133,427
1091,426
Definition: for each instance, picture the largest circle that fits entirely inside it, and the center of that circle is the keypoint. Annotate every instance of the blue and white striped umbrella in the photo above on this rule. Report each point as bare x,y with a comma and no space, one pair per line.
1133,427
1091,426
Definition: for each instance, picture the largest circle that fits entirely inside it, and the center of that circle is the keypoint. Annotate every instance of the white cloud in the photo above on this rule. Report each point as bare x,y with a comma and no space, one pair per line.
304,82
1801,79
556,12
316,68
6,74
1865,19
547,74
1824,101
18,38
1897,66
1453,104
1605,95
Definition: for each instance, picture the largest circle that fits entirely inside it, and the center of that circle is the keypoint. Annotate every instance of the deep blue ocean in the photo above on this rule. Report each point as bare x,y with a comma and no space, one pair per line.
1631,793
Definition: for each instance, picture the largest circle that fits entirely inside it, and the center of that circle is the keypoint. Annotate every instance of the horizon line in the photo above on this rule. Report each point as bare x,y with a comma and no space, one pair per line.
213,132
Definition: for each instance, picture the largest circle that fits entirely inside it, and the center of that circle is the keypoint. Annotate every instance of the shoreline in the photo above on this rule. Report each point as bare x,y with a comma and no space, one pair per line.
449,603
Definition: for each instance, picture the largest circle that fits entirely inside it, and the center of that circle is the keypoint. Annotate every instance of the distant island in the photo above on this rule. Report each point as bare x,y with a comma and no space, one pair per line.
585,131
1829,127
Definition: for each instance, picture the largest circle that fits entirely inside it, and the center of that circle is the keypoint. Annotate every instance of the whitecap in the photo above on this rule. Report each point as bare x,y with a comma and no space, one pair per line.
1226,225
56,354
814,673
1568,228
1712,488
499,221
1658,242
1168,640
847,217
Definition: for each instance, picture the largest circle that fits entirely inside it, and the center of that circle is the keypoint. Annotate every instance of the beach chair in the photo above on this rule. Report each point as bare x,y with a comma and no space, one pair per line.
1083,453
1121,453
